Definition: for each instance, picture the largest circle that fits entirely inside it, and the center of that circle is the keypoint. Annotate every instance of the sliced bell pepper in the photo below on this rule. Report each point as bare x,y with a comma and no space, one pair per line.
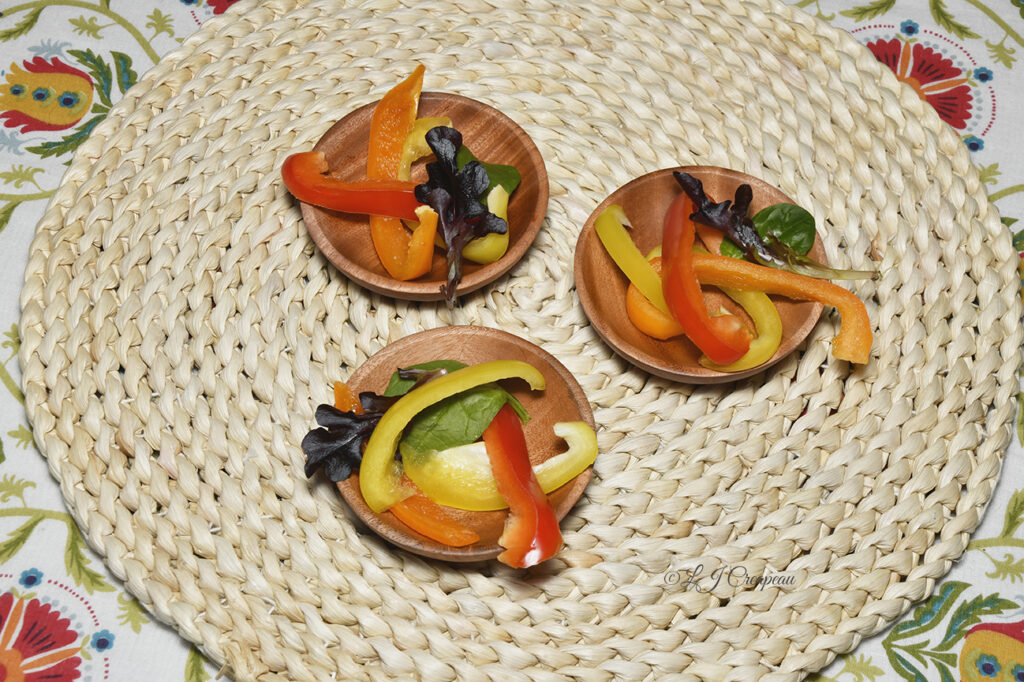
304,175
345,400
379,472
429,519
461,477
852,343
645,316
392,120
610,227
415,146
420,250
769,330
723,339
531,532
490,247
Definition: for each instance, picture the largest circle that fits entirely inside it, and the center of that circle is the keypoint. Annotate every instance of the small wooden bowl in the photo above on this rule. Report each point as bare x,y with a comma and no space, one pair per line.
602,286
561,400
492,137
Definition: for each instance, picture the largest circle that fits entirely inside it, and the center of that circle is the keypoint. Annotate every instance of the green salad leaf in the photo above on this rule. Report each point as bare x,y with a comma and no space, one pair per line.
791,224
506,176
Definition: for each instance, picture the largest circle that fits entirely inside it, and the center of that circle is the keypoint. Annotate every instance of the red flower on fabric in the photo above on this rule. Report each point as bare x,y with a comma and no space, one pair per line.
934,77
36,644
219,6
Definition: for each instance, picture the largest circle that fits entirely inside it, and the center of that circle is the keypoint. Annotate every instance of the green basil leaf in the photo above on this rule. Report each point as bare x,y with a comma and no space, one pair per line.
729,248
455,421
790,224
506,176
399,386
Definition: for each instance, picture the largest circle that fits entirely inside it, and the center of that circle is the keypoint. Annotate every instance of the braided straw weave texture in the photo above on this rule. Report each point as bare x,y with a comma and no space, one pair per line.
179,329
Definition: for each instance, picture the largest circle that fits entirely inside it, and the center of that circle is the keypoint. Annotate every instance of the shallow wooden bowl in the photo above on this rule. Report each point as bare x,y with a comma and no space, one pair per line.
492,137
602,286
561,400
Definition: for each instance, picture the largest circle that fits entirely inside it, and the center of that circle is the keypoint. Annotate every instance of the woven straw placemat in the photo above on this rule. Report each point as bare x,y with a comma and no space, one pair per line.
179,329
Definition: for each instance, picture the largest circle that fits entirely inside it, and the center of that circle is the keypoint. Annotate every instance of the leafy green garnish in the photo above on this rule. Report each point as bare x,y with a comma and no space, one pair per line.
790,224
729,248
458,420
506,176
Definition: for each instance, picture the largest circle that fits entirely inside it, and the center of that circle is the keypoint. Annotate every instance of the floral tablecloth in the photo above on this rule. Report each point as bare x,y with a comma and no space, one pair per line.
64,63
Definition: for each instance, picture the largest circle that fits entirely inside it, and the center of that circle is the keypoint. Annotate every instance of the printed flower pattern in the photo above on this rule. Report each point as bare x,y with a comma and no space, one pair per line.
933,76
36,643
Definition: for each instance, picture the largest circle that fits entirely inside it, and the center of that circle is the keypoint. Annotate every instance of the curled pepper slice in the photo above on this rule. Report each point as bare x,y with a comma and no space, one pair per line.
429,519
852,343
461,477
393,119
723,339
379,473
610,227
305,176
531,532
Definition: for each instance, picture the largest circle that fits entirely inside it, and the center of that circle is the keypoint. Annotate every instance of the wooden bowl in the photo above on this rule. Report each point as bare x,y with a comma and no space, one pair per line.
602,286
561,400
492,137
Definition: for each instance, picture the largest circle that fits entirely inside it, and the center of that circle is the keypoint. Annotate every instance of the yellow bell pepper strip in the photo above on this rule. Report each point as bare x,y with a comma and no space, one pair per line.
392,120
461,477
415,145
531,534
491,247
379,473
610,227
852,343
429,519
724,339
305,176
769,330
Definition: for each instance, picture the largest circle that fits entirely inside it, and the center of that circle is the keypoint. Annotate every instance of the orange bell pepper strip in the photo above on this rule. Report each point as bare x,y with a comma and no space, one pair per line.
345,400
723,339
646,317
420,251
305,176
430,519
531,534
392,120
852,343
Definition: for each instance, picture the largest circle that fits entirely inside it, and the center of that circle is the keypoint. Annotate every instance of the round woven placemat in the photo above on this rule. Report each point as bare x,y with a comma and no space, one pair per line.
179,329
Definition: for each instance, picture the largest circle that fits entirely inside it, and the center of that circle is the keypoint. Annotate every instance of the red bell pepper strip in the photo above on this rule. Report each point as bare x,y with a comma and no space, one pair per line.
723,339
531,532
304,175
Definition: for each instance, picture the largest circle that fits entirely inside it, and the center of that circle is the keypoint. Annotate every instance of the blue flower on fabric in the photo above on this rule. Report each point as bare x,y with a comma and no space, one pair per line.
983,74
31,577
103,640
973,143
1017,673
988,665
909,27
190,2
69,100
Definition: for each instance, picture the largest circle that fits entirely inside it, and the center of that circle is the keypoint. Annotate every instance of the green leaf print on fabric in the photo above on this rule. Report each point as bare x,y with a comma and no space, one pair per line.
87,26
22,27
160,23
1009,569
920,648
77,564
21,175
944,19
131,613
195,667
1014,514
17,538
1001,53
870,11
11,487
22,435
859,668
68,143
